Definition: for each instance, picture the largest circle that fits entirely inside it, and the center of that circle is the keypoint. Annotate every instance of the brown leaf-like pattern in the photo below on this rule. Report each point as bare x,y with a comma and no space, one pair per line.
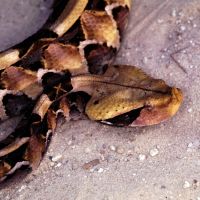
4,168
64,57
68,17
20,79
13,146
35,150
8,58
52,72
99,26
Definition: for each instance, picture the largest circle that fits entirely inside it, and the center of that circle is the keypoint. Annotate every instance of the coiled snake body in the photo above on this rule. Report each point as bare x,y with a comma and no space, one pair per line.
65,69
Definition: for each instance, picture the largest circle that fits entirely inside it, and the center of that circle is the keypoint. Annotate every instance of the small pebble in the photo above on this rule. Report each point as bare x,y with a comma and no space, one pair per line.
181,14
160,21
190,110
162,56
194,25
58,165
178,21
52,164
130,152
91,164
87,150
186,185
179,38
153,152
141,157
100,170
56,158
92,170
190,145
192,42
145,60
22,188
120,150
102,157
112,148
174,13
183,28
126,159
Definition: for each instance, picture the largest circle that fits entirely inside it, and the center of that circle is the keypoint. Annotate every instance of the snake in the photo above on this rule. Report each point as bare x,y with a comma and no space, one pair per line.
66,70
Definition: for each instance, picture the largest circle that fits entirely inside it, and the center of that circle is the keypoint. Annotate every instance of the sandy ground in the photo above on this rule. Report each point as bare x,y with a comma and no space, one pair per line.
152,163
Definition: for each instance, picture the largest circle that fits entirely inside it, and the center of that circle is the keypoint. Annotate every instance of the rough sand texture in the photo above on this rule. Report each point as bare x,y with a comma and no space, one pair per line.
152,163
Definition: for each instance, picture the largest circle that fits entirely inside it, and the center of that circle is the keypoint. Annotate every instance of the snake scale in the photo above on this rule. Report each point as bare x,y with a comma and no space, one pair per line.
65,70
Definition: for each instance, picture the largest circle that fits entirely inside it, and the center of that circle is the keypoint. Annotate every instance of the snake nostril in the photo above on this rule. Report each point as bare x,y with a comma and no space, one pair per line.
96,102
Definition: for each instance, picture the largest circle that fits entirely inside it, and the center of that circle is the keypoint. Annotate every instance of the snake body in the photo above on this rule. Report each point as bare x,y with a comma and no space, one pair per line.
65,69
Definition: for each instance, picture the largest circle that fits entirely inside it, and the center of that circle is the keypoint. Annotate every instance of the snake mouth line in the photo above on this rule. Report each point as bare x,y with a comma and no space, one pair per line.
124,119
87,78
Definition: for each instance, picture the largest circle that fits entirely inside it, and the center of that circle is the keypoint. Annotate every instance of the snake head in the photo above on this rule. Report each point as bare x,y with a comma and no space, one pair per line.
125,95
